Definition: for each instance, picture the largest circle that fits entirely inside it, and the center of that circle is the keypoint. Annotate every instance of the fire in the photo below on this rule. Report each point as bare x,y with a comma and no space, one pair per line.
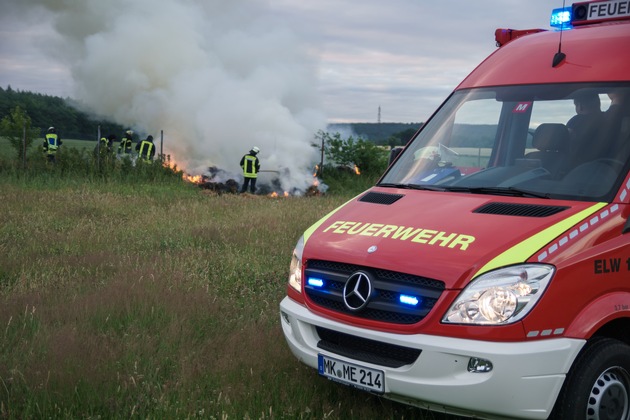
195,179
276,195
356,170
315,179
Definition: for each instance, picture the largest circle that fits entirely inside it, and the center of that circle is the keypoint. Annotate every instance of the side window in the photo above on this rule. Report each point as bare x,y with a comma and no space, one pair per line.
549,112
474,132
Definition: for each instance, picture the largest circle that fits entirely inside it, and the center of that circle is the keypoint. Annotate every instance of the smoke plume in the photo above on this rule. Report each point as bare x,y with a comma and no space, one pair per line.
217,76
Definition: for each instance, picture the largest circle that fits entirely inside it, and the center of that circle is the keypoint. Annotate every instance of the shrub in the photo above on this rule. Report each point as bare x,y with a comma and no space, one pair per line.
348,152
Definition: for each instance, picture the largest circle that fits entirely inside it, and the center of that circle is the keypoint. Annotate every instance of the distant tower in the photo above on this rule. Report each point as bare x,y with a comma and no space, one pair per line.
379,114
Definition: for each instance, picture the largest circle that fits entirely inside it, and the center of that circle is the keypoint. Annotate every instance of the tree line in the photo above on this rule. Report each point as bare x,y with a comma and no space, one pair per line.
383,134
45,111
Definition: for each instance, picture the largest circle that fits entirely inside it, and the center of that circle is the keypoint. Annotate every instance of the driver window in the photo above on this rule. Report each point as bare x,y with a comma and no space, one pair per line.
474,132
583,118
550,112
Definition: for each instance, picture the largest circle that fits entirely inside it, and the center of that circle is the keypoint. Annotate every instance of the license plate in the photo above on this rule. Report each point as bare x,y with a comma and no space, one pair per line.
361,377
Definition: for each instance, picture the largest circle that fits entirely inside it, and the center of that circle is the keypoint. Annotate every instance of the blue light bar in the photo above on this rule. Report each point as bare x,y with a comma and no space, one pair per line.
561,18
409,300
315,282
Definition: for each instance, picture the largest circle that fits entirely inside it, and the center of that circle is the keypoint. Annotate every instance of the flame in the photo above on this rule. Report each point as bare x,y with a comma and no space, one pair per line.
195,179
170,163
356,170
276,195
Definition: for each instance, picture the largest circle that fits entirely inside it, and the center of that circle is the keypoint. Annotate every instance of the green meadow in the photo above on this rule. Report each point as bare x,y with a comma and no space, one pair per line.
130,293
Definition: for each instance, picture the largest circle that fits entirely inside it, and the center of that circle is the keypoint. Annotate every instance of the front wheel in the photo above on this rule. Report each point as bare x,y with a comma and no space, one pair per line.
598,384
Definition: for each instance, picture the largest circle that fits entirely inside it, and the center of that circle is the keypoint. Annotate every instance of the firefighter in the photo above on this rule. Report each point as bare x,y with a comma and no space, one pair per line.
251,166
106,145
126,143
146,149
52,141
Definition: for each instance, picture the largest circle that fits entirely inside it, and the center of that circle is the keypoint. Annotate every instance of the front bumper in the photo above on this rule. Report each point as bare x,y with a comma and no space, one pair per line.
524,383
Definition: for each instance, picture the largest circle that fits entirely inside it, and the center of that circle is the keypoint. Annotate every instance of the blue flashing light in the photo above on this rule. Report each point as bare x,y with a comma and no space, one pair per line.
314,282
409,300
561,18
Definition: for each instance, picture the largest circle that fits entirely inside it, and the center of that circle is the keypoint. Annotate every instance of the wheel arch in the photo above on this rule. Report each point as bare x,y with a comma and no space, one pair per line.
606,316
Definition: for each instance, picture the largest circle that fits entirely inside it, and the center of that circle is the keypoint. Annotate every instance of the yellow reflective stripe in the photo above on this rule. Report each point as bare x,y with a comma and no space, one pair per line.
313,228
524,250
249,170
149,146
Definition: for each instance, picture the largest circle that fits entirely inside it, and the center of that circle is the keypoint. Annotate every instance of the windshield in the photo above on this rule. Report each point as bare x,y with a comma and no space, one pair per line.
564,141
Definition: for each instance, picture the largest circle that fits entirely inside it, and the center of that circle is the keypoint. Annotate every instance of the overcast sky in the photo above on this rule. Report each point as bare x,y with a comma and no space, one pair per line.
404,56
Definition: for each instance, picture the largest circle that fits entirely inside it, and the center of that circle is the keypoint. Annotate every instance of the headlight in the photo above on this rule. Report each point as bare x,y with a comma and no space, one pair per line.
500,297
295,271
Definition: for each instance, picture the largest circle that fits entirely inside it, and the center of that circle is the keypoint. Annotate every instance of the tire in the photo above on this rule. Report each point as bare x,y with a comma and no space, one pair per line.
598,384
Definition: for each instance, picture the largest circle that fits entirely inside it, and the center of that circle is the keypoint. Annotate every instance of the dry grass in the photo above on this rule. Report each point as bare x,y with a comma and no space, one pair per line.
156,303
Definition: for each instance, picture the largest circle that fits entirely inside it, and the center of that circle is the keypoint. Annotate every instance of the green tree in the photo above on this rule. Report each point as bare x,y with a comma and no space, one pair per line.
367,156
16,127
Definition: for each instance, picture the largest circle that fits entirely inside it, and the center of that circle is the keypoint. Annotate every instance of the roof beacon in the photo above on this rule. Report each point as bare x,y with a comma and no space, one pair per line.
561,18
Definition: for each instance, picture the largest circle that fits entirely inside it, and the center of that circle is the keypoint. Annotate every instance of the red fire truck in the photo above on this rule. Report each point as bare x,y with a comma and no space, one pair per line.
487,273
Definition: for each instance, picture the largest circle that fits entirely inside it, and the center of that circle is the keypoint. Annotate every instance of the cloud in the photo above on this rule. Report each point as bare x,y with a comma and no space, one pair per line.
404,55
25,36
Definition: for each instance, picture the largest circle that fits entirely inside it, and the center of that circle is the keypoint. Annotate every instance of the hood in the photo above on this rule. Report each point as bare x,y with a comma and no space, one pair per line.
445,236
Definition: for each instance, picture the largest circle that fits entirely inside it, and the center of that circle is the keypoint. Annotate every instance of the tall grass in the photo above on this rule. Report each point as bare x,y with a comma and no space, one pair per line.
154,299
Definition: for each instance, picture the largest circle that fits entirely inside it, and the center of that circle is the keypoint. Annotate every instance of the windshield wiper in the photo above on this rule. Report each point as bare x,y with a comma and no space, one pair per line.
511,191
412,187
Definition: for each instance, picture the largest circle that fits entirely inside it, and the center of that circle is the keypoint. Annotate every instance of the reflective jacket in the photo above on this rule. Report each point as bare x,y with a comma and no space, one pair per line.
106,144
250,165
124,148
146,150
52,143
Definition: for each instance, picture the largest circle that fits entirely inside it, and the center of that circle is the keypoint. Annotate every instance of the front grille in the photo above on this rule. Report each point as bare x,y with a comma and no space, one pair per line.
387,287
362,349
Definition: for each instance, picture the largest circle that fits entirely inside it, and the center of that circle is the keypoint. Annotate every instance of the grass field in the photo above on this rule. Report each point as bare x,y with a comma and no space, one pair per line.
7,152
155,300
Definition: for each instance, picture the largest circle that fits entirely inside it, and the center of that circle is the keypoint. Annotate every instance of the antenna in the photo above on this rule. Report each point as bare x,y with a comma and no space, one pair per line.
559,56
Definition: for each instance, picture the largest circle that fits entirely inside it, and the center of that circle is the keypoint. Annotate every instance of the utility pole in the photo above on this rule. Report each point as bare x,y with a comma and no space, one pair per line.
321,162
98,148
24,146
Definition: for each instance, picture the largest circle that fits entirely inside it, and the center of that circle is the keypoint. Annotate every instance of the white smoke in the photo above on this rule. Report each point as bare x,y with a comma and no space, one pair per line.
217,76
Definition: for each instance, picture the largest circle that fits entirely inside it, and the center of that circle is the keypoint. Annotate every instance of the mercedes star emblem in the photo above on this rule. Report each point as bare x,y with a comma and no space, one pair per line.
357,291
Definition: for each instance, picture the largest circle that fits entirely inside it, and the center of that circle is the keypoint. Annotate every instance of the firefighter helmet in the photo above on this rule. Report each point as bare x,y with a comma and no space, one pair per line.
255,149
